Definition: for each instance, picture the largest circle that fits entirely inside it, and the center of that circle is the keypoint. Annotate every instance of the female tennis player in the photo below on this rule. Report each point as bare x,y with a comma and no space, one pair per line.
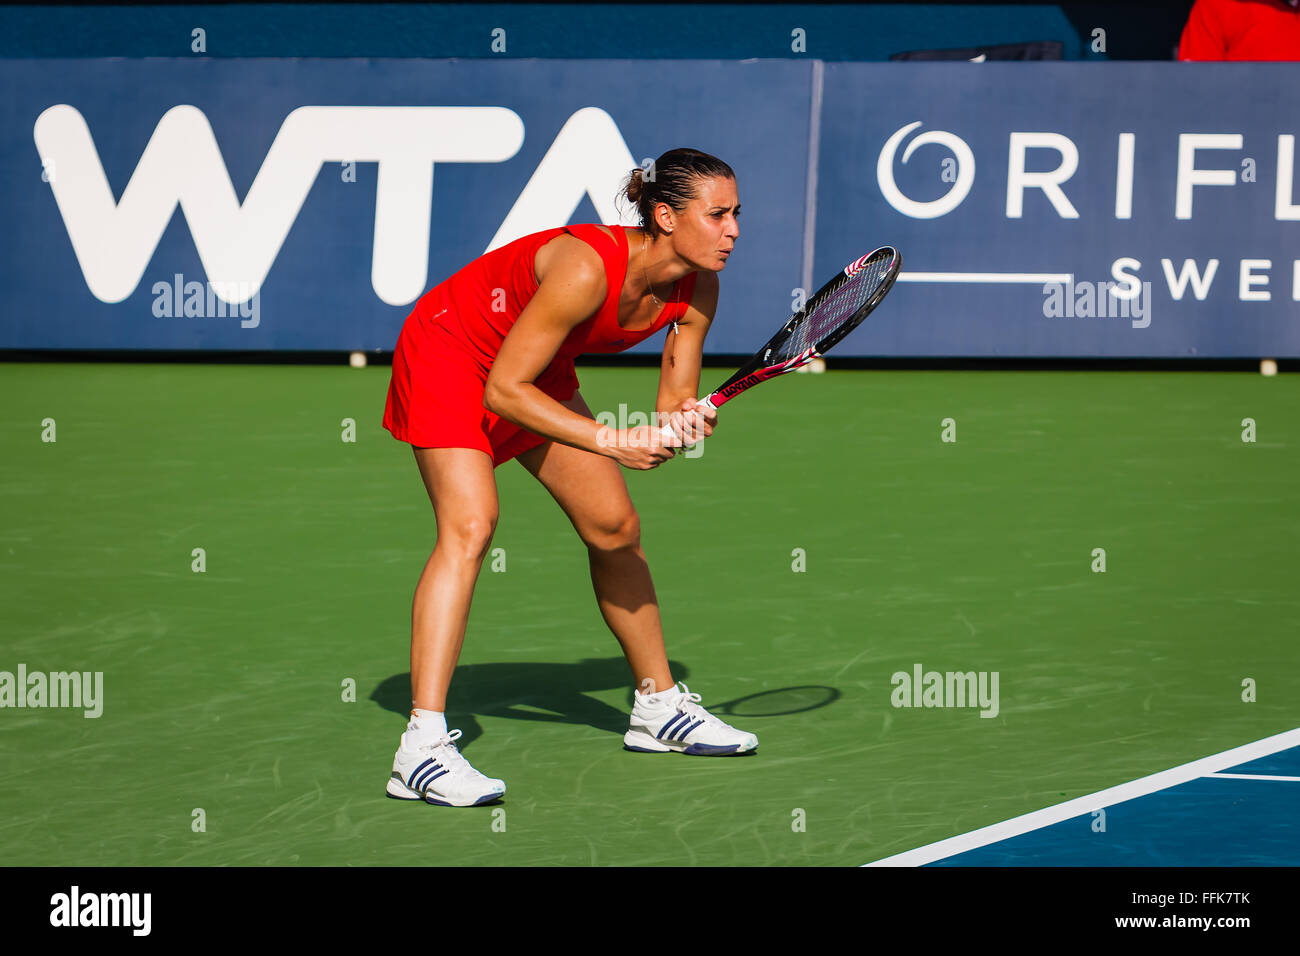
483,372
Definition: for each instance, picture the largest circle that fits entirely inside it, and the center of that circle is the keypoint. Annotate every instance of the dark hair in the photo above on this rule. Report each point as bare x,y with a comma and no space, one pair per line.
674,179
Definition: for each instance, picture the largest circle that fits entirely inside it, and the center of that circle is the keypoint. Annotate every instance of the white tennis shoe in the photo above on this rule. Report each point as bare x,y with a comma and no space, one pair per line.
676,722
438,773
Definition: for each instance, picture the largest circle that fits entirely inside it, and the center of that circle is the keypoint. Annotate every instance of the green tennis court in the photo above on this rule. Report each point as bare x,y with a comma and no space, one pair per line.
224,691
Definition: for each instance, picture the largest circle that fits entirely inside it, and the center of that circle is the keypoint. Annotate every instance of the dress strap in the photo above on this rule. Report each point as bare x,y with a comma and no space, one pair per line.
613,253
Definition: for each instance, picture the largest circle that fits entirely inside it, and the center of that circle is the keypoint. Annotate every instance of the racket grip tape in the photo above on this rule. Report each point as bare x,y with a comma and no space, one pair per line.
667,430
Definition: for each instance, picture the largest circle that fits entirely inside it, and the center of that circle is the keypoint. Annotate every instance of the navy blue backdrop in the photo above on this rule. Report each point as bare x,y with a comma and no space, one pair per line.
981,278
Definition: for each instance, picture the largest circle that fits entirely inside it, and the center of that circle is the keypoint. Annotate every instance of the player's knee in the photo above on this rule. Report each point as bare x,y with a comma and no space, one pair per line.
470,535
619,533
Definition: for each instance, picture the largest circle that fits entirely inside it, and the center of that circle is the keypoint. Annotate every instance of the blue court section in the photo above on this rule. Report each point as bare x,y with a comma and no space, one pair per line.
1210,821
1285,763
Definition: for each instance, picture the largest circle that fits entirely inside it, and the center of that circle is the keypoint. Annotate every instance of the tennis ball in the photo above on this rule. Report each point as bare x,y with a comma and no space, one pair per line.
357,359
817,365
1267,367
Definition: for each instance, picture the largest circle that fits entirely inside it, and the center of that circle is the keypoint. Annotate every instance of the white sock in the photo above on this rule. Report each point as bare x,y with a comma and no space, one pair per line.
663,696
425,727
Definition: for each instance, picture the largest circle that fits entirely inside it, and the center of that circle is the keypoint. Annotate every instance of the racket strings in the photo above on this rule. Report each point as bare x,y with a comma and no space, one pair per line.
839,307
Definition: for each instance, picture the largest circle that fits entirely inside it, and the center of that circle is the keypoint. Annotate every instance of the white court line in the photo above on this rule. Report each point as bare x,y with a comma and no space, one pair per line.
1032,278
1254,776
1047,816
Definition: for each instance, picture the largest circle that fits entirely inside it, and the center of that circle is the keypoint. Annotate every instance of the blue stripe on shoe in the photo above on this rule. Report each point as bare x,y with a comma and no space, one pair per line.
677,718
681,734
436,771
410,781
486,798
427,776
711,750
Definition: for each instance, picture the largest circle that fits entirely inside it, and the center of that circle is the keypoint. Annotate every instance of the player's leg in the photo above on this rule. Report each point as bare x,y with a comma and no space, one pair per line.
591,490
462,489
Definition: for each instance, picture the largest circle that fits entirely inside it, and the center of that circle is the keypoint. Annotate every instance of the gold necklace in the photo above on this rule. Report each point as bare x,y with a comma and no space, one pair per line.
646,276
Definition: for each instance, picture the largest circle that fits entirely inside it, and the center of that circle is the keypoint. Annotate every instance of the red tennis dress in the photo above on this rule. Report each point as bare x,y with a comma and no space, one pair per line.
449,342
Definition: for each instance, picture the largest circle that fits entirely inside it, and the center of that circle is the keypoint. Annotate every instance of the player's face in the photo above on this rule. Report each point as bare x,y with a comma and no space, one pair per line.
705,232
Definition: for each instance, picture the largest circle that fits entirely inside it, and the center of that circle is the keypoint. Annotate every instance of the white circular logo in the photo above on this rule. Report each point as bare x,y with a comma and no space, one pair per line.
935,207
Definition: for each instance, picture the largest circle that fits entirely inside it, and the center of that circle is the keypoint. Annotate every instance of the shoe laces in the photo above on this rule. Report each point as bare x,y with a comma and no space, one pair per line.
447,753
689,704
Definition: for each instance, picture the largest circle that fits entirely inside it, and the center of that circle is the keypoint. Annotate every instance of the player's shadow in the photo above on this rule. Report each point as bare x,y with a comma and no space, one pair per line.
559,693
548,692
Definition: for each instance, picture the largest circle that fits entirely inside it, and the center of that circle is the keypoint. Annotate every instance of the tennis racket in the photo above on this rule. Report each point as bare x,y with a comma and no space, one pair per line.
836,310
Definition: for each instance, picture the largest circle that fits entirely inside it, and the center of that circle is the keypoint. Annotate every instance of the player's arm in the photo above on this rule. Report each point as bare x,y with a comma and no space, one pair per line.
679,372
571,289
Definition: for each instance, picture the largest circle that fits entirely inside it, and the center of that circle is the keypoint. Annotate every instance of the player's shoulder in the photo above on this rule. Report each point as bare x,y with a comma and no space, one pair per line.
568,258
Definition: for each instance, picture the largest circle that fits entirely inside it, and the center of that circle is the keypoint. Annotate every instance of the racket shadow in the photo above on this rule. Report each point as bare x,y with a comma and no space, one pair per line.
779,702
539,692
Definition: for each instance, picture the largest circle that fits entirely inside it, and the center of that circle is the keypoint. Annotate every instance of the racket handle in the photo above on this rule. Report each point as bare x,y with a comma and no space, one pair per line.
667,430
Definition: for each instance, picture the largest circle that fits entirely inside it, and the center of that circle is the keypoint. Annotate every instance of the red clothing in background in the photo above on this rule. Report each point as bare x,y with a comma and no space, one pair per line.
1242,30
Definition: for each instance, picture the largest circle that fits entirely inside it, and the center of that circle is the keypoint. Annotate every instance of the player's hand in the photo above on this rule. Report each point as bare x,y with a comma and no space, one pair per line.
642,448
692,422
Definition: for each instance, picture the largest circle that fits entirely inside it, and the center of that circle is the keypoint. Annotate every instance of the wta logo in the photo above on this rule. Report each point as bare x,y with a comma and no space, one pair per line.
183,166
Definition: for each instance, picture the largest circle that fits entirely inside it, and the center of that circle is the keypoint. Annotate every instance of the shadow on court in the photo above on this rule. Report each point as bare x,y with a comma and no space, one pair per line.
558,692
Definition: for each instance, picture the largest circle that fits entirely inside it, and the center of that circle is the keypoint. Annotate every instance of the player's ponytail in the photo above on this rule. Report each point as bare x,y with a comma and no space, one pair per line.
674,179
